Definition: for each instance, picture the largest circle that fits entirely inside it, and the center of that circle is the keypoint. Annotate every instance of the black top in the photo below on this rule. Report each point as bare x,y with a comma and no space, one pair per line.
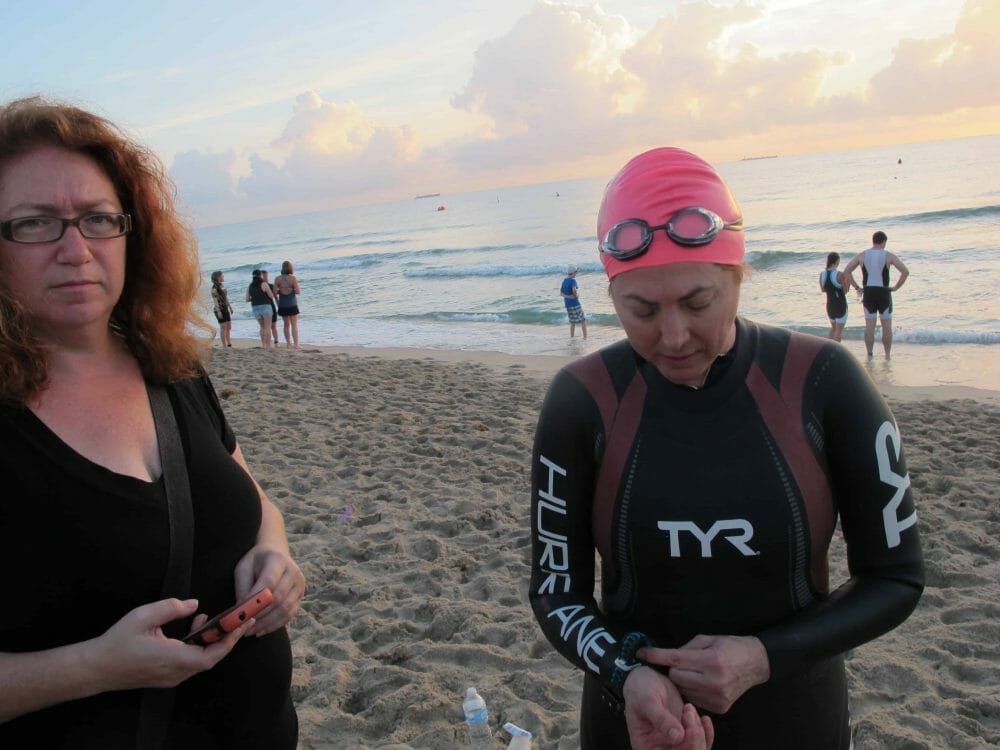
257,294
83,546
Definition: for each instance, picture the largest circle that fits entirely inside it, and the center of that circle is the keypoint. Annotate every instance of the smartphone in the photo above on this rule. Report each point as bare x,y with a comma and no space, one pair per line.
226,622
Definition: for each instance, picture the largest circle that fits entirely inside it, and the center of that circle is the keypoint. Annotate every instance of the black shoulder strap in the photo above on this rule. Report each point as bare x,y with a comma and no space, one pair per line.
157,704
177,580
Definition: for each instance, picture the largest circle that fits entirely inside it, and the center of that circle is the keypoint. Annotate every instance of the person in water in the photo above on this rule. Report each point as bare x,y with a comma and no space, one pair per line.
708,459
831,281
222,308
287,287
261,300
877,293
265,277
570,292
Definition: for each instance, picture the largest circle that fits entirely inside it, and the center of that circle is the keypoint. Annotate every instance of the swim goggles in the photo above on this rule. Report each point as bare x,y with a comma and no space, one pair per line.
689,227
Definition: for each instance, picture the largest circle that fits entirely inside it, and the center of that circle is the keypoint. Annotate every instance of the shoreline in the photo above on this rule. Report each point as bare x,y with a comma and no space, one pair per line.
544,366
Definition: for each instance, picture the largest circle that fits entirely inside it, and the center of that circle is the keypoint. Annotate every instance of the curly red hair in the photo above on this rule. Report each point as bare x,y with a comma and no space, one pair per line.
156,314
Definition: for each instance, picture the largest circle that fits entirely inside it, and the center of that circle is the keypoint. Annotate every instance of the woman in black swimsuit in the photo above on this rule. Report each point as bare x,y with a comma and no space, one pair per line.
831,282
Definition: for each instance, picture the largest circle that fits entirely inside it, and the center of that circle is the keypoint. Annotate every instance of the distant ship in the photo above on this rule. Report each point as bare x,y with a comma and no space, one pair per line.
755,158
426,195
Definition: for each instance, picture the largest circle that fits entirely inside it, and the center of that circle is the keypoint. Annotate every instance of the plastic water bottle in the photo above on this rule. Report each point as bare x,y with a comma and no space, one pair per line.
517,738
476,716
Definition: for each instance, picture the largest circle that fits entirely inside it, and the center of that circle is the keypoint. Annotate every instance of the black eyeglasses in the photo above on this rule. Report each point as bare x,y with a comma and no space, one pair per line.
690,227
31,230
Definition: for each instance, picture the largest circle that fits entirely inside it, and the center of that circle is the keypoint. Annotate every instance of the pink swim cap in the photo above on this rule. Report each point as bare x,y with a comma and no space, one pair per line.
654,186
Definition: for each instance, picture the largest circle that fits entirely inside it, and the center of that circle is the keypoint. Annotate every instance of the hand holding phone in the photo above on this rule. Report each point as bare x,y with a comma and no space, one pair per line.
226,622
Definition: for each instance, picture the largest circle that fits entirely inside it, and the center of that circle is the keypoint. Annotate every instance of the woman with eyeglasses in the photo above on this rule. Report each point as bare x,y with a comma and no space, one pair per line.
707,460
97,345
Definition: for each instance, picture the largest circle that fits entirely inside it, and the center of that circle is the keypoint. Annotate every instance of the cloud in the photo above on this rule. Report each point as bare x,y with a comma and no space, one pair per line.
331,152
328,154
550,86
557,62
694,88
205,181
952,71
571,81
570,87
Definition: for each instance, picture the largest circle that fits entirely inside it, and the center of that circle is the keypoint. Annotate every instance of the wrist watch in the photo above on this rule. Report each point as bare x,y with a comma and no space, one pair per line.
624,663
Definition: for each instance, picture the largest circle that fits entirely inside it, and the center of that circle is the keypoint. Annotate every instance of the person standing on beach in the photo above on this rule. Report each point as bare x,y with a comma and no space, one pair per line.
831,281
221,307
287,286
274,308
261,300
115,545
708,461
876,296
571,296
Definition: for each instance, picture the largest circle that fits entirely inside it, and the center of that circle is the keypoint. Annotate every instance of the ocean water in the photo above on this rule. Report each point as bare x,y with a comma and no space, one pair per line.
483,273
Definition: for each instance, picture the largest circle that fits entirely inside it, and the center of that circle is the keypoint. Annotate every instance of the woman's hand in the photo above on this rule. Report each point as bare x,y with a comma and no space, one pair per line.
273,567
713,671
699,734
134,652
657,717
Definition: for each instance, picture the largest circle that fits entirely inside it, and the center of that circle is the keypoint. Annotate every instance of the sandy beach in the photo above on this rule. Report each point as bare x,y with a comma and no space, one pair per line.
403,478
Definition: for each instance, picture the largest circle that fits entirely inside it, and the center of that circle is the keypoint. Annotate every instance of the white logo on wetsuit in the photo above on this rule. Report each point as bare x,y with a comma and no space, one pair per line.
888,435
554,558
590,641
741,528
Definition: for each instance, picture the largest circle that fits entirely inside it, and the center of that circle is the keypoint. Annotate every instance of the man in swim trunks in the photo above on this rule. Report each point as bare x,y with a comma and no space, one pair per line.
708,460
571,296
877,295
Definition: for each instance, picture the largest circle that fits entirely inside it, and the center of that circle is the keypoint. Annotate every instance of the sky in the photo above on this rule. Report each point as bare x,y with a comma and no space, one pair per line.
262,108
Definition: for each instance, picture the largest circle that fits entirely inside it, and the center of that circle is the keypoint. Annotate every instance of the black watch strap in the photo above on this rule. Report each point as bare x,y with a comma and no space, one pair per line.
627,660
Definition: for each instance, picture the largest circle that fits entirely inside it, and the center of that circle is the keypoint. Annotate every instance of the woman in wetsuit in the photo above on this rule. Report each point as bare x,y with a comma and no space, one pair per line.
707,459
831,282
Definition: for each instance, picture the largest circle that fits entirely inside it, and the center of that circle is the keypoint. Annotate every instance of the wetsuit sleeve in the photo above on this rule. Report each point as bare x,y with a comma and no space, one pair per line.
871,486
564,467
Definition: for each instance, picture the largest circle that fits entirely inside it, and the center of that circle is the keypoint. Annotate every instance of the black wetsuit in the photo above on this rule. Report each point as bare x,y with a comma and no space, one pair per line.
836,299
712,511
